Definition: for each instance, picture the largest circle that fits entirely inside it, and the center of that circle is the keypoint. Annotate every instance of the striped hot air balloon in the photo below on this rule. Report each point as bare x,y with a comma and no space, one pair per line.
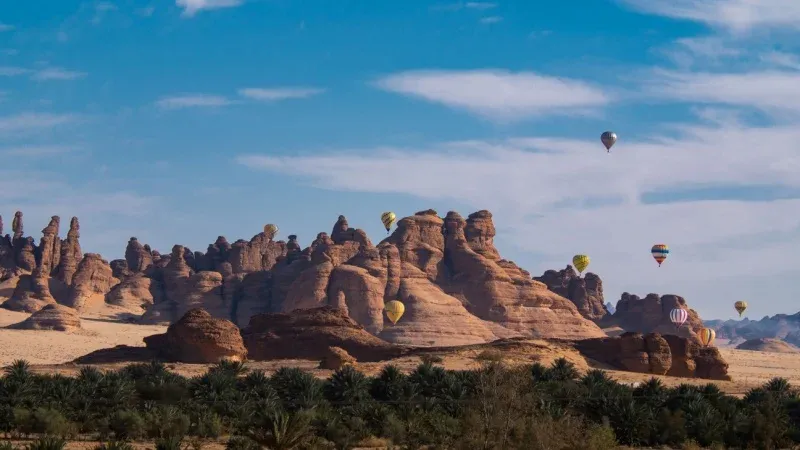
678,316
707,336
388,219
660,253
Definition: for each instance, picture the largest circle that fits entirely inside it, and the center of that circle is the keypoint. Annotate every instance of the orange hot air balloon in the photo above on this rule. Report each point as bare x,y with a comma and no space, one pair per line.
707,336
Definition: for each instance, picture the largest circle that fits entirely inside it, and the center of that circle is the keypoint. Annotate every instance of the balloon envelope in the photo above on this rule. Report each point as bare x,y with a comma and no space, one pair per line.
388,219
707,336
271,228
660,252
740,307
580,262
394,310
608,138
678,316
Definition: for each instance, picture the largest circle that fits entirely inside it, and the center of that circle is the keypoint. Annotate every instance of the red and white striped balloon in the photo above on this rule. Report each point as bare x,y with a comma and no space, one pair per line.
678,316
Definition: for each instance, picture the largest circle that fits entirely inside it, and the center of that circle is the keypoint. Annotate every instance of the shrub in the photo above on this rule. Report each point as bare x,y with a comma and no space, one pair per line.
114,445
126,425
48,443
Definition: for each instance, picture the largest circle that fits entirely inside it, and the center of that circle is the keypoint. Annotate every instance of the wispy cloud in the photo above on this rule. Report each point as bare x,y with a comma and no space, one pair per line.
781,59
10,71
274,94
491,19
6,27
100,11
146,11
35,151
193,101
733,15
497,94
57,73
192,7
29,121
9,51
771,91
480,5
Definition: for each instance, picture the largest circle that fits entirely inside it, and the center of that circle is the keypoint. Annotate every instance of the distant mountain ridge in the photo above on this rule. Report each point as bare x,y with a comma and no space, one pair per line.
780,326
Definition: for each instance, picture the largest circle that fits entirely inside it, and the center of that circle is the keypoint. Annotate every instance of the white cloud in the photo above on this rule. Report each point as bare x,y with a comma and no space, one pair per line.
192,101
105,6
146,12
57,73
781,59
25,122
491,19
497,94
36,151
274,94
733,15
557,197
480,5
771,91
10,71
9,51
5,27
192,7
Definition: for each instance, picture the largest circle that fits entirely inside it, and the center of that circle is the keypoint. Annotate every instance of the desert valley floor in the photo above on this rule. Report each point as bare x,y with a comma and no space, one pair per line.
53,351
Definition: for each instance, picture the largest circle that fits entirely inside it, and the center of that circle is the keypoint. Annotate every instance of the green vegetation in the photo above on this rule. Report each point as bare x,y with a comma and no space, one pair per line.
495,407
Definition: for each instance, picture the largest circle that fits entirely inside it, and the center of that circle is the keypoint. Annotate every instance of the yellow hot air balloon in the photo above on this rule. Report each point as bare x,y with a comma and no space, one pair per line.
580,262
271,229
394,310
707,336
740,307
388,219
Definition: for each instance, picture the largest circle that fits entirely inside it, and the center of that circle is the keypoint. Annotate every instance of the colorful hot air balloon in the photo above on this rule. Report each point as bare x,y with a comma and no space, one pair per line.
660,253
740,307
608,138
271,229
388,219
707,336
678,316
394,310
580,262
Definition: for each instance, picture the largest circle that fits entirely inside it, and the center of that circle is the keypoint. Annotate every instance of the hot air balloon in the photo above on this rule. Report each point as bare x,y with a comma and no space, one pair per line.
394,310
707,336
740,307
608,138
388,219
580,262
271,229
678,316
660,253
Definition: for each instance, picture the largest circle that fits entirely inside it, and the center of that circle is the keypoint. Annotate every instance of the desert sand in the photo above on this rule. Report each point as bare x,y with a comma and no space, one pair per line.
52,351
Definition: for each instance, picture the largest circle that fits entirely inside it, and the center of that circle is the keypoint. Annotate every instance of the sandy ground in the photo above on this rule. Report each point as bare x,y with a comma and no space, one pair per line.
54,347
51,351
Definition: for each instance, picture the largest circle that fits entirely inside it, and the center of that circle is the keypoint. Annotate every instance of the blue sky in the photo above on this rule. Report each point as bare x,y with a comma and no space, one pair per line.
180,121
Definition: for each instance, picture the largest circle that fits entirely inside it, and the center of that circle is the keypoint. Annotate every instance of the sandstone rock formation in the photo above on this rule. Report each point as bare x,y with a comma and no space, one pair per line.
91,282
585,292
308,333
70,253
768,345
335,359
660,355
651,315
31,294
199,338
51,317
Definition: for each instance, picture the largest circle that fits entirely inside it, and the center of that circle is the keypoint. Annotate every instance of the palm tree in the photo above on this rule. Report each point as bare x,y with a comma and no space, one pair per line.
281,431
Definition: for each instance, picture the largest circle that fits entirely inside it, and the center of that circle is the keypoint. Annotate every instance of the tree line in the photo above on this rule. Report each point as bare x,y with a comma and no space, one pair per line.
494,407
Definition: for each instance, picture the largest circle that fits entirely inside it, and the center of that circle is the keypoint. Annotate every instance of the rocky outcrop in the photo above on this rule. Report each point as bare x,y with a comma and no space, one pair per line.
92,281
48,254
70,253
31,294
660,355
51,317
779,326
651,315
137,257
135,292
586,293
335,359
199,338
768,345
308,333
